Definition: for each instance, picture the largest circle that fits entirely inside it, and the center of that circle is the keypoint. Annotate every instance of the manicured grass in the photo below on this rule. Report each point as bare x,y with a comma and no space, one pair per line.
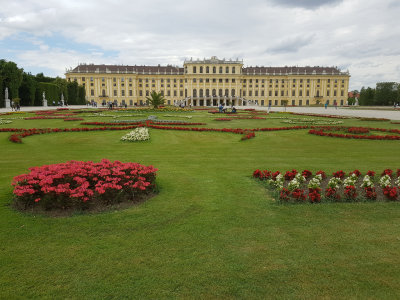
212,231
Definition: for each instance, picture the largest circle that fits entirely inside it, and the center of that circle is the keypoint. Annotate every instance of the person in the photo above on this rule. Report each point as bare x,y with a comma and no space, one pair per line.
233,110
12,105
269,107
220,108
18,107
335,104
326,105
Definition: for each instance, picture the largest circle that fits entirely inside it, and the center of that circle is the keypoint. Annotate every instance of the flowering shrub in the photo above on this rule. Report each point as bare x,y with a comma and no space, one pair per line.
307,174
390,192
350,192
388,172
367,182
314,194
139,134
322,173
79,184
248,136
299,195
385,181
339,174
284,194
357,130
371,173
331,193
289,175
370,193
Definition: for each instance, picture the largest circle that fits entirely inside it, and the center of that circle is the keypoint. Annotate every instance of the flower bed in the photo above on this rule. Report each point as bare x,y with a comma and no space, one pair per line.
357,132
4,122
309,121
223,119
83,185
302,187
139,134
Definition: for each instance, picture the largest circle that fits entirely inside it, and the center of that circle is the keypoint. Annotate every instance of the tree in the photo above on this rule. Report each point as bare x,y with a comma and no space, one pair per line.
156,99
27,90
12,77
386,93
367,96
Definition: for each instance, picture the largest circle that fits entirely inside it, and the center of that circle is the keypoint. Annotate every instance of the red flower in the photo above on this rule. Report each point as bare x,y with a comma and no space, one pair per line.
390,192
306,173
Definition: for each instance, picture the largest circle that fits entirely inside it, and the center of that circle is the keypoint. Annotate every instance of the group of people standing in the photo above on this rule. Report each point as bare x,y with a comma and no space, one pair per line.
15,106
223,109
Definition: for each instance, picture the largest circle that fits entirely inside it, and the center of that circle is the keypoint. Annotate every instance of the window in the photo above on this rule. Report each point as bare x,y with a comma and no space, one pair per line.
115,92
194,80
233,80
270,93
233,93
194,69
214,70
227,80
293,93
300,93
220,70
220,80
327,93
123,93
214,80
282,93
308,93
220,92
114,79
181,93
201,69
276,93
334,93
207,69
91,92
341,93
168,93
233,70
244,93
122,79
227,70
294,80
130,93
140,93
256,93
276,102
262,93
175,93
147,93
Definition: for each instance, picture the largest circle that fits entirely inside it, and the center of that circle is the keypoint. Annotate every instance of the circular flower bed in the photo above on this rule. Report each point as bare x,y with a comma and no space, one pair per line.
79,185
139,134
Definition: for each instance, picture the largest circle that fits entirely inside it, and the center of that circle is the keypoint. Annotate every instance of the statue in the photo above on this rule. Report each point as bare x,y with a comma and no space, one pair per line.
44,99
62,99
6,100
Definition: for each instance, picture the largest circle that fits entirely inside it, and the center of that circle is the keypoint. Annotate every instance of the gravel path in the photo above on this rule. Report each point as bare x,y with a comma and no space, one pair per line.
387,112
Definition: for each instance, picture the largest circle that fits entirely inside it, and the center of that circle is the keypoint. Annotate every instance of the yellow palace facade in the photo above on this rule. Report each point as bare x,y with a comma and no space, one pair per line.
210,82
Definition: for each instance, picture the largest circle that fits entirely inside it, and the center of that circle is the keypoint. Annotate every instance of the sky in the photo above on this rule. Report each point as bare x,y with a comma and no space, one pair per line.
362,36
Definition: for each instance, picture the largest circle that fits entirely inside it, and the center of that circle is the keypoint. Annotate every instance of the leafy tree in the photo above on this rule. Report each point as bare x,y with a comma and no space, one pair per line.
81,95
386,93
72,92
12,77
27,90
62,84
156,99
2,88
367,96
41,78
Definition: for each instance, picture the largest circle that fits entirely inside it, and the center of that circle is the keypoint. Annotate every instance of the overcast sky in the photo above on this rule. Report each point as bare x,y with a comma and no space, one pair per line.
362,36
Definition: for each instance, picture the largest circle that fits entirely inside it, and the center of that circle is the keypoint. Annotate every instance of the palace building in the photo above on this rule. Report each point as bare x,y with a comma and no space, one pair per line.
210,82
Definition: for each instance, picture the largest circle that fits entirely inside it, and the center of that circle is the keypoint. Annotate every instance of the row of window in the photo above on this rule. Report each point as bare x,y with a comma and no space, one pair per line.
214,70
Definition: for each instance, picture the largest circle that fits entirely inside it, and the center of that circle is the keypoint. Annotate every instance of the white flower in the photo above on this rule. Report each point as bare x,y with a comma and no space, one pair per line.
300,178
397,182
334,182
293,184
385,181
315,182
139,134
351,180
3,122
367,182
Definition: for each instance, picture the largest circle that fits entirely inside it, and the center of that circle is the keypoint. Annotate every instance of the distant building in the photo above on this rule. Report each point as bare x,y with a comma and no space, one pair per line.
209,82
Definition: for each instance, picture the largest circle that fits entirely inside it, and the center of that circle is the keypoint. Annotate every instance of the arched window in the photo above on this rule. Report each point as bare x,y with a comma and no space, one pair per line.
185,93
214,70
214,92
233,93
233,70
194,93
220,70
207,92
220,92
201,92
207,69
227,92
227,70
194,69
201,69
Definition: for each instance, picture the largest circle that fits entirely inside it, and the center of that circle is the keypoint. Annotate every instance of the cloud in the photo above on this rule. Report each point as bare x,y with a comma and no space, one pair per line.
307,4
292,44
52,35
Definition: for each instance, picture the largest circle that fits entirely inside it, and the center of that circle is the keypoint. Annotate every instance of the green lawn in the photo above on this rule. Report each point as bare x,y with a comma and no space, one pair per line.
212,231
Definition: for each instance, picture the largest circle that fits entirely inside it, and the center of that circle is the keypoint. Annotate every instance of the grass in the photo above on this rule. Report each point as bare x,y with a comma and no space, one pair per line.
212,231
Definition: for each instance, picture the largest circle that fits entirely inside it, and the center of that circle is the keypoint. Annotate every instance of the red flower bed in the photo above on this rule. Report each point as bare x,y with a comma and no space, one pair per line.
79,184
248,136
73,119
222,119
321,131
